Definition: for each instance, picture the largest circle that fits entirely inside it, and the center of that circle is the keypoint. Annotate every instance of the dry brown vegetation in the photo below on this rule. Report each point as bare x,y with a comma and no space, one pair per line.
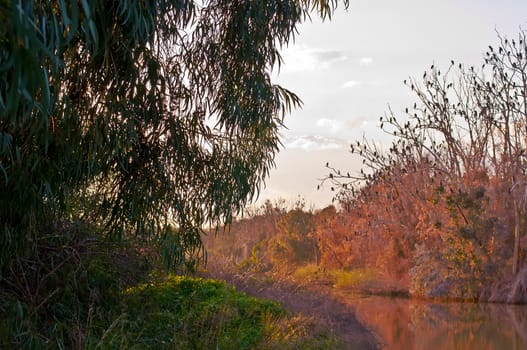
439,214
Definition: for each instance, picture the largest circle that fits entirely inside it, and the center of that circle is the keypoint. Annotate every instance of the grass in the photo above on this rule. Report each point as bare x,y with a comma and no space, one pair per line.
298,332
195,313
356,278
311,273
191,313
341,278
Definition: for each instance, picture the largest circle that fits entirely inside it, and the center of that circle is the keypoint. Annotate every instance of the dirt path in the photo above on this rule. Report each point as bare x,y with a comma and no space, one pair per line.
314,301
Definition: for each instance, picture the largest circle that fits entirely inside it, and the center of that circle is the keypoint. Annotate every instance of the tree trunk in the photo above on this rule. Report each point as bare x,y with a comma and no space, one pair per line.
516,253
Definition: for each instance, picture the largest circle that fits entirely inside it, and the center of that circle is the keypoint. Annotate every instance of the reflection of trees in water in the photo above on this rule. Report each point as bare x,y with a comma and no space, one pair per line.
516,315
449,325
412,324
389,318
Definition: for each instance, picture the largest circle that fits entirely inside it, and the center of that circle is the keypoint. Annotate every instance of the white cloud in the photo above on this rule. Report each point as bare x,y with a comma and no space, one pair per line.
303,58
338,126
366,61
351,84
314,143
331,125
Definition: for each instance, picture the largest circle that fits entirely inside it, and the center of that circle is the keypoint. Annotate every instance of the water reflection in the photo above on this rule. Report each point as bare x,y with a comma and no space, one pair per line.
412,324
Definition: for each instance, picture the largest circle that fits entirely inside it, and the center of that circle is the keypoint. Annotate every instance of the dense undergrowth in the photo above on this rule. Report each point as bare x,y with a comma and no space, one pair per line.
79,292
323,248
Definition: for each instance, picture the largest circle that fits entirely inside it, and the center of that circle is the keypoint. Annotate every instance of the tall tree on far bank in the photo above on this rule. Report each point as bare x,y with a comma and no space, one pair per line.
506,93
466,134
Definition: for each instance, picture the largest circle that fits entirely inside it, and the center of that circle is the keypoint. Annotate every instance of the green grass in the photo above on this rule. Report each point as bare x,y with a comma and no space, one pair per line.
190,313
194,313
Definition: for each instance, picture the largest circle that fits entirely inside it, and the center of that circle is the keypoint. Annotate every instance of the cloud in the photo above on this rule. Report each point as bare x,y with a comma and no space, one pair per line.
366,61
338,126
330,124
328,55
351,84
302,59
314,143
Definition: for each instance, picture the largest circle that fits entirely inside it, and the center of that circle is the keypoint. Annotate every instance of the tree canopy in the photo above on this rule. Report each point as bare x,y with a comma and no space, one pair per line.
151,118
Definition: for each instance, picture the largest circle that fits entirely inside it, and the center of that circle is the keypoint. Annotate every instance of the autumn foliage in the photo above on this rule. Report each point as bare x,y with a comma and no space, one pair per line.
441,209
444,207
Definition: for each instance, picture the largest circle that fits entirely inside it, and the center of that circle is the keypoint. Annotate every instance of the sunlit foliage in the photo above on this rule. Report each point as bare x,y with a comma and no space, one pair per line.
444,203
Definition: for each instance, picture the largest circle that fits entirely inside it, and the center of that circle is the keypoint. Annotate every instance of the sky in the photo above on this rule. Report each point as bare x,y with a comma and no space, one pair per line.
350,70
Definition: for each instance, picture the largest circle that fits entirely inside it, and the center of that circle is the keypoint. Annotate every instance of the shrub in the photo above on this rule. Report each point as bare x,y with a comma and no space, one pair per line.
50,298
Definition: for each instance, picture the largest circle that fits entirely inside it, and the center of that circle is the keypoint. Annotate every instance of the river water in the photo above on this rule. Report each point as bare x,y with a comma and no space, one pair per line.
415,324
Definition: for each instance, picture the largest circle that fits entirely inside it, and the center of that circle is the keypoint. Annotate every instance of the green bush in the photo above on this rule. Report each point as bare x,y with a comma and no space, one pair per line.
66,291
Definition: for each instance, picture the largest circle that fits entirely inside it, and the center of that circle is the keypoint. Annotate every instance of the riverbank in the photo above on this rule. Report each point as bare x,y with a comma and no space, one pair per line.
367,316
369,282
316,300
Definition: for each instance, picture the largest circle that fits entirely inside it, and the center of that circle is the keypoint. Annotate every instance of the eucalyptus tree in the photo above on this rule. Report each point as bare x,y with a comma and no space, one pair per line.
153,118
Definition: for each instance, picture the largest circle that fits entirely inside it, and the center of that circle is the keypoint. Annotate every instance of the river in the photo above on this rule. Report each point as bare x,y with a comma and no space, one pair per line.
416,324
